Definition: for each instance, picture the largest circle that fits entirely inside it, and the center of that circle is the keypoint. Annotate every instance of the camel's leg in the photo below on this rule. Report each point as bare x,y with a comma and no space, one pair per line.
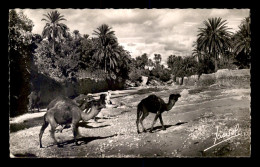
52,131
160,117
75,130
38,108
155,119
32,107
60,130
44,126
145,114
139,113
66,126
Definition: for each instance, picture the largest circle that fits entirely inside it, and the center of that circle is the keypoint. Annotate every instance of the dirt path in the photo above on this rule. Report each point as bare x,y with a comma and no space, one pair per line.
191,127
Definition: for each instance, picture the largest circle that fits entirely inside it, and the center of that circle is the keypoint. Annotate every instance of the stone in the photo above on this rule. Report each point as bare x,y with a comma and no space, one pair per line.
180,81
177,81
144,80
185,81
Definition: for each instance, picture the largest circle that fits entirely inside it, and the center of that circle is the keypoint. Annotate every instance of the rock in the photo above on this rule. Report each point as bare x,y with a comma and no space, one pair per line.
129,83
185,81
169,82
184,93
193,79
154,83
240,73
177,81
222,73
207,76
144,80
180,81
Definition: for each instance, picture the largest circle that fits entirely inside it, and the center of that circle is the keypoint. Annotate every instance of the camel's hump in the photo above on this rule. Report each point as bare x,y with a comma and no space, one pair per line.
152,102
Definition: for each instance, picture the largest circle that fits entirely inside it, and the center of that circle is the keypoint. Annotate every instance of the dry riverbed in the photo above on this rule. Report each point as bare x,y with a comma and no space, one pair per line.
201,118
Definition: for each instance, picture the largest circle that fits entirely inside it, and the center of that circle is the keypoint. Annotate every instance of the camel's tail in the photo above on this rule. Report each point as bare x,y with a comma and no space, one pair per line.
138,114
139,111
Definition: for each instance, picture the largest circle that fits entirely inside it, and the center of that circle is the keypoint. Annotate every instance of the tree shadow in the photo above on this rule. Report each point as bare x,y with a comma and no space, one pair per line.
14,127
81,141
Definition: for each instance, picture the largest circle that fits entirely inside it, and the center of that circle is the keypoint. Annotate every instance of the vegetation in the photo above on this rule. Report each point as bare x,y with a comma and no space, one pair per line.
183,66
53,30
63,55
214,39
21,44
241,44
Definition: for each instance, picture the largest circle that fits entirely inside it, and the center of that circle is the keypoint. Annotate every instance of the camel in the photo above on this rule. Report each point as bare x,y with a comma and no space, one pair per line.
34,100
87,102
82,100
64,111
154,104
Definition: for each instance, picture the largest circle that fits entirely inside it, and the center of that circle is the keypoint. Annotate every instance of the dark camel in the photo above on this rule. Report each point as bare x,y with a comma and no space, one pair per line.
64,111
34,100
154,104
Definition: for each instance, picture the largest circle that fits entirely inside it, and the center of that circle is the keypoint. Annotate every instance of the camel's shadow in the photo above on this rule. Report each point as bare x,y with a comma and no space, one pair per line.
81,124
85,125
81,141
159,128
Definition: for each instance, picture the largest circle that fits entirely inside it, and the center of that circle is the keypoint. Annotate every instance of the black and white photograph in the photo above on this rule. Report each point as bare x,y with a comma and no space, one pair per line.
129,83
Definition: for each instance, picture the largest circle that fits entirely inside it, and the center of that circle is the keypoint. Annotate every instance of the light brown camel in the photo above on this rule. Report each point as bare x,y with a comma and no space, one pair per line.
65,111
154,104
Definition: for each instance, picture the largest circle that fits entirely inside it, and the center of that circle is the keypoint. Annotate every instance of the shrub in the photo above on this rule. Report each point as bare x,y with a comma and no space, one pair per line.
135,75
206,82
166,76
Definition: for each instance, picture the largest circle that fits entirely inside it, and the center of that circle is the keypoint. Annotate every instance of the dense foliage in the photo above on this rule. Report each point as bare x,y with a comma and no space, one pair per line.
214,39
21,46
241,44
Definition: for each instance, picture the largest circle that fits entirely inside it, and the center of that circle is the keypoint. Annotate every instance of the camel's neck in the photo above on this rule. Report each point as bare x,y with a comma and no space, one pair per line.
89,115
170,104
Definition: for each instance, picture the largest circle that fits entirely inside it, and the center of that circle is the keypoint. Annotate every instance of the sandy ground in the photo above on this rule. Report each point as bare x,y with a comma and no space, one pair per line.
201,117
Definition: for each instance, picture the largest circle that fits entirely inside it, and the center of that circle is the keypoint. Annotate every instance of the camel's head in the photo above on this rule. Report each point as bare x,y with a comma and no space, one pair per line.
103,98
102,101
174,97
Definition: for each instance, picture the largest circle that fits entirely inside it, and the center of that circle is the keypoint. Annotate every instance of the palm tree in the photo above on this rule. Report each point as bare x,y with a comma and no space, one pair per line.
196,52
242,38
54,30
76,34
171,61
214,39
157,59
106,46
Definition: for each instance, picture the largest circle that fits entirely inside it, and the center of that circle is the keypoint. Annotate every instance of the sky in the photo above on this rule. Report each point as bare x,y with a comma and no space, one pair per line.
152,31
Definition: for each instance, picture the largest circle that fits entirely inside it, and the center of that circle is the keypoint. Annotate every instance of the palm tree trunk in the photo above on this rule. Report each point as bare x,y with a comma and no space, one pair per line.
105,65
53,38
53,47
216,63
